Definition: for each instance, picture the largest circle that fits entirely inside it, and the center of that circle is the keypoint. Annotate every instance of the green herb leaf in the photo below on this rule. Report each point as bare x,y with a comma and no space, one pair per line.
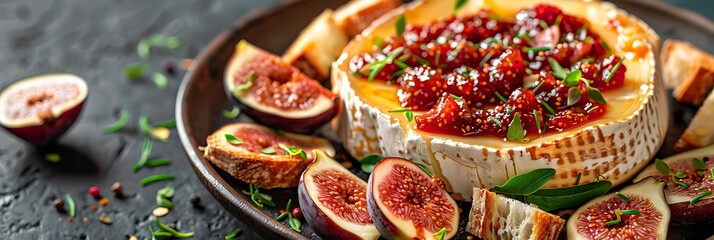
454,96
160,80
536,116
119,124
53,157
614,70
592,109
166,124
543,24
495,121
550,199
233,235
500,97
401,24
537,49
278,132
375,68
680,175
515,129
155,178
622,196
371,159
293,151
595,95
618,216
145,125
233,139
367,168
134,70
558,71
233,113
268,150
287,206
711,173
459,4
158,162
378,41
167,192
295,224
164,202
547,107
557,20
407,113
699,164
282,216
699,197
573,78
605,45
70,204
173,232
239,89
661,166
525,184
144,157
485,59
425,169
573,96
440,234
678,182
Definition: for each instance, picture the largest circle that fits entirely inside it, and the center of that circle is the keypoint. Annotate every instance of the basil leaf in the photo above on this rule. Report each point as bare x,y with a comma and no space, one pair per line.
549,199
661,166
167,192
699,164
515,129
425,168
526,183
233,139
573,96
134,71
595,94
371,159
268,150
401,24
558,71
459,4
160,80
368,168
573,78
295,224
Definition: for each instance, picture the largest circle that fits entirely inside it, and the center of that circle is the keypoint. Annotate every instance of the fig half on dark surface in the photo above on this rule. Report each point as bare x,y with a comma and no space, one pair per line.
334,201
259,155
689,176
406,203
42,108
638,211
275,93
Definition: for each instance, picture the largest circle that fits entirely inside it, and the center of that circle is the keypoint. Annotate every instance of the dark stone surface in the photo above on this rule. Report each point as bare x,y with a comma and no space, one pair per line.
95,39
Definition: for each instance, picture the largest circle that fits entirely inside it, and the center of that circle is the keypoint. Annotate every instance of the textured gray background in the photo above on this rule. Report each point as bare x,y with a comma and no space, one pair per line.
96,39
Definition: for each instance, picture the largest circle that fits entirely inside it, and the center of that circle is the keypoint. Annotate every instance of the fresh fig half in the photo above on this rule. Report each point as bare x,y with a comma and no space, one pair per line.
690,176
42,108
259,155
406,203
637,211
275,93
334,201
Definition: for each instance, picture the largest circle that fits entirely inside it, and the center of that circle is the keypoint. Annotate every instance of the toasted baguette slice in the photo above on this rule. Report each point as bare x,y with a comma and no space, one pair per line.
357,15
245,161
318,45
700,131
498,217
689,70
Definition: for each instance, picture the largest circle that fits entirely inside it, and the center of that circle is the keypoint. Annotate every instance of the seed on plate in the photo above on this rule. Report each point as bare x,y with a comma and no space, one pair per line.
117,189
160,211
105,219
133,238
85,219
346,164
104,201
93,207
59,205
94,191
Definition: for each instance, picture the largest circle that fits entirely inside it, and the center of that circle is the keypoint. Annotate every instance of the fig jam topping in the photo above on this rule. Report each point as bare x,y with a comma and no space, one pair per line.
630,226
278,84
39,100
481,61
255,140
412,195
343,195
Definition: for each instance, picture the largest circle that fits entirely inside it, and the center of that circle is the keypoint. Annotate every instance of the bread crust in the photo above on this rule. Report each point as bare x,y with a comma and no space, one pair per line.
689,70
357,15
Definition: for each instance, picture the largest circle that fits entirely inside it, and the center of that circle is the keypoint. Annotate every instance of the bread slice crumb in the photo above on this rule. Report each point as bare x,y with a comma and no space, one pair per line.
689,70
497,217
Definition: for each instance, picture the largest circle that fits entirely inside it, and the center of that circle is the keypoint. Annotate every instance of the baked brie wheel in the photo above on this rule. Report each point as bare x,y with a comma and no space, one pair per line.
613,145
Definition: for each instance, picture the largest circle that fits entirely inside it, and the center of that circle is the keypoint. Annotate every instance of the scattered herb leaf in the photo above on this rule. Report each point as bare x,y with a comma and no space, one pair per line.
699,164
622,196
515,129
459,4
119,124
70,204
369,161
574,96
167,124
233,113
160,80
596,95
268,150
699,197
293,151
577,180
619,218
526,183
239,89
549,199
145,125
485,59
233,235
401,24
500,97
158,162
614,70
662,167
134,70
155,178
558,71
144,157
425,169
53,157
230,138
573,78
295,224
440,234
547,107
172,231
407,113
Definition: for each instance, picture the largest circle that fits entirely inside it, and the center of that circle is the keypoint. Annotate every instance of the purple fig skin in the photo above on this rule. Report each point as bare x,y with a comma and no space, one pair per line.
49,131
298,125
686,214
386,228
317,219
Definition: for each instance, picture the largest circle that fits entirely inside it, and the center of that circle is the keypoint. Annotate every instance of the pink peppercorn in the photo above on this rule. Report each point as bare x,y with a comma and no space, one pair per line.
94,191
297,213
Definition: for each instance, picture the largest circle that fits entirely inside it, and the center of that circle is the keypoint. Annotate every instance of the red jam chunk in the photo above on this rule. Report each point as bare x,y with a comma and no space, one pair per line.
474,75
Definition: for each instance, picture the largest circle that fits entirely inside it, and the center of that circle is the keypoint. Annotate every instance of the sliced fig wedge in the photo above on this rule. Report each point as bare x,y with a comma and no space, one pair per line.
275,93
334,202
686,181
638,211
255,154
42,108
406,203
